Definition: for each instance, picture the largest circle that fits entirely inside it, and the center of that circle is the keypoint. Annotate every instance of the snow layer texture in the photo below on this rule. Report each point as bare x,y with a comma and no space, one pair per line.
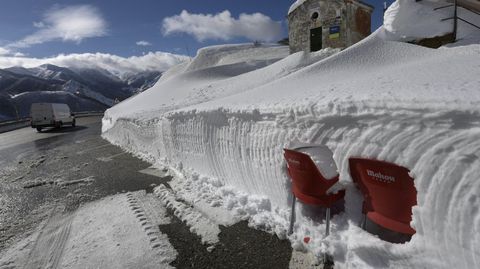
106,234
204,79
417,107
409,20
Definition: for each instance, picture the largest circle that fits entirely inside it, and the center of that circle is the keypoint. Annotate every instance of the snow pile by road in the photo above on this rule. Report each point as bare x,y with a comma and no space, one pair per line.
223,128
203,79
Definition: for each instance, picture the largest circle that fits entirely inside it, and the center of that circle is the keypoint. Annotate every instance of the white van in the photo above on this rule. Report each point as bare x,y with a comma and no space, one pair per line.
50,115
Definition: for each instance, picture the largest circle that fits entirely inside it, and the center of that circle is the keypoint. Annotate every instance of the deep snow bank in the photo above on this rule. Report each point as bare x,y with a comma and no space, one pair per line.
224,76
391,101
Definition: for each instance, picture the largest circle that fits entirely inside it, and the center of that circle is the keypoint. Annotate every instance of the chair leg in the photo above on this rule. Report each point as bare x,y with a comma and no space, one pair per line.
327,220
363,222
363,225
292,216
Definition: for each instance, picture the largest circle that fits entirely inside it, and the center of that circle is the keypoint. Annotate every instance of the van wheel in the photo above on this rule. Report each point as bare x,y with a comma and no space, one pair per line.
58,124
73,123
39,129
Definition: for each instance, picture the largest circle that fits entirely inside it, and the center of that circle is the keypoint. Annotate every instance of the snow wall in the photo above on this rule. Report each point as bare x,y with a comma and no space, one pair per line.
224,127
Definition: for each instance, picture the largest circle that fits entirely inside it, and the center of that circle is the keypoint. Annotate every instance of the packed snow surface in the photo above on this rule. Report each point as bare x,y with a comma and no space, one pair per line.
104,234
223,128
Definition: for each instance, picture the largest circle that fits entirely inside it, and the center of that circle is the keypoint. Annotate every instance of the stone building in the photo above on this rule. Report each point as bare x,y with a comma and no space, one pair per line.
317,24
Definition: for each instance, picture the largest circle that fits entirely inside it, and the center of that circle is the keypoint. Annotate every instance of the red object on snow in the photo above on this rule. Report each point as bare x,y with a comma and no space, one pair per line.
389,193
306,240
309,186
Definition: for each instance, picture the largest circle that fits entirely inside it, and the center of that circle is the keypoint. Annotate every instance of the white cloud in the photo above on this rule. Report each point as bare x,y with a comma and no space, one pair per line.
72,23
38,24
152,61
4,51
143,43
223,26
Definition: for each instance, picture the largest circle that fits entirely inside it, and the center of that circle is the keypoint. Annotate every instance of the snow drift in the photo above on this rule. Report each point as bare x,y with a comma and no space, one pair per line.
223,128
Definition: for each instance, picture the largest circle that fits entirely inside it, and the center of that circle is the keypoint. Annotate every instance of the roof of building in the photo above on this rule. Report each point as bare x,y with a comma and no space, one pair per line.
301,2
296,5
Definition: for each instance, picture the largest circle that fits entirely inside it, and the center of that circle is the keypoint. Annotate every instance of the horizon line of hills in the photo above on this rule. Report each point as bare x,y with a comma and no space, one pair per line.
83,89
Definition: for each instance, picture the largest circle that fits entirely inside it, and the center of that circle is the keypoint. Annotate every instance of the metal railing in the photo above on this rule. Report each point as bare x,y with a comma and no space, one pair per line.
88,113
10,125
456,18
14,121
77,114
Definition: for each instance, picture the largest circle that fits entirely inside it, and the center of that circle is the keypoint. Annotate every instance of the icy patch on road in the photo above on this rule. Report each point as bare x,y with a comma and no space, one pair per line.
86,180
59,182
38,161
109,158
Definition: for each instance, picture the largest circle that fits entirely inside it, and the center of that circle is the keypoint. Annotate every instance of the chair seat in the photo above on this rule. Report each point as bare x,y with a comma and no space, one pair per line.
323,200
391,224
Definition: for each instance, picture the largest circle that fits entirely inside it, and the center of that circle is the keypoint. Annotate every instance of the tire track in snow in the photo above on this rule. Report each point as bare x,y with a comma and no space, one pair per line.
198,222
49,246
150,213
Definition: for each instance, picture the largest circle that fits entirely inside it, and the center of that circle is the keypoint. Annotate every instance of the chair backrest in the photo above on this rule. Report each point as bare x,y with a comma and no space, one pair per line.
388,190
306,178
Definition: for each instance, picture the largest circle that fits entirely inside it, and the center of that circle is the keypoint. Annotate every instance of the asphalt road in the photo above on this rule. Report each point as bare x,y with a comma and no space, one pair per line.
71,166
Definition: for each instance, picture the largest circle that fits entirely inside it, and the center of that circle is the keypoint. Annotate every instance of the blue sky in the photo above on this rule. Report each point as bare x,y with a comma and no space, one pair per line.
40,28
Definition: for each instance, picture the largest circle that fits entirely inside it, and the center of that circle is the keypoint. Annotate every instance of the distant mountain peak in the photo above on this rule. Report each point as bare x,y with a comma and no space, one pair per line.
88,87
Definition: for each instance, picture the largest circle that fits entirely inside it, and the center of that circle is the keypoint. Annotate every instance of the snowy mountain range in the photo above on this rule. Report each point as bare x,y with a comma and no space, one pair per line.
83,89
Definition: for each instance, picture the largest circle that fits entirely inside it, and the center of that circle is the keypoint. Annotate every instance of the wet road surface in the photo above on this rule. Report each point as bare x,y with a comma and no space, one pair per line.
71,166
67,167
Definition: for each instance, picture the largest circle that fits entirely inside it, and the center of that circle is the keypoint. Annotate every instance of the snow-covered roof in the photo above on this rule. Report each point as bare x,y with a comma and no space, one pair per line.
301,2
409,20
296,5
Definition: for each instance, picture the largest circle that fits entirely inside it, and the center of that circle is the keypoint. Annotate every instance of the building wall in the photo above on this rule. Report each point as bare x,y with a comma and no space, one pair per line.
298,23
353,19
360,21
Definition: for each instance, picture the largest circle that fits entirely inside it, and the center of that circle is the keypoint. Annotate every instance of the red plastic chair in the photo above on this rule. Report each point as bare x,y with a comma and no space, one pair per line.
389,193
308,184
